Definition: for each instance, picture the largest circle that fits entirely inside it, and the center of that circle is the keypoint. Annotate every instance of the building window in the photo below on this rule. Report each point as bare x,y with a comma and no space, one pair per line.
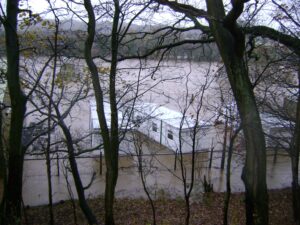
154,127
170,134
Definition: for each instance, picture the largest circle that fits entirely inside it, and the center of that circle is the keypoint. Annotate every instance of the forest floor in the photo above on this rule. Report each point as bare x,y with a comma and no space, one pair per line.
208,211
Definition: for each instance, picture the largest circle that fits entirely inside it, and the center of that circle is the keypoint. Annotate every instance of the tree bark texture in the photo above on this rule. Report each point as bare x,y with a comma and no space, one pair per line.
231,44
2,158
13,189
292,43
228,174
112,153
110,136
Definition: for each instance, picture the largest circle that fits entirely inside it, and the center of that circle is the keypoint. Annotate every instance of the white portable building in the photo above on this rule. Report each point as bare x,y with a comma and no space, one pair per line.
278,132
126,147
173,129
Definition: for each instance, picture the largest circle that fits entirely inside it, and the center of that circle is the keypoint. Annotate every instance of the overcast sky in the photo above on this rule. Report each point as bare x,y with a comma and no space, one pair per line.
41,6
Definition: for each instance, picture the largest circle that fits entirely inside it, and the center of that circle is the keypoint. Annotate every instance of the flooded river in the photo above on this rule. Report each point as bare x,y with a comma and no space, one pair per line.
163,176
168,86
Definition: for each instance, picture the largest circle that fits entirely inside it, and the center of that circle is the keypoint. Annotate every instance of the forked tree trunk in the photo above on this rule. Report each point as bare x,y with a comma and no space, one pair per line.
230,41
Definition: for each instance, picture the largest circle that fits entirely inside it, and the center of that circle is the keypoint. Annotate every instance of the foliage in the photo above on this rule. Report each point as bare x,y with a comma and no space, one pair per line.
170,212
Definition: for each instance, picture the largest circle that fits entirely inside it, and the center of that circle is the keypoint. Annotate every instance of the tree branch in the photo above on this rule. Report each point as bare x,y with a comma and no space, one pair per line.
267,32
235,12
190,11
183,8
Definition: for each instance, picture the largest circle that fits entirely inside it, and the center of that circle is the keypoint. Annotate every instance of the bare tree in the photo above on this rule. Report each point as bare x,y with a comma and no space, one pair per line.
62,104
193,101
139,141
279,99
231,43
286,16
110,132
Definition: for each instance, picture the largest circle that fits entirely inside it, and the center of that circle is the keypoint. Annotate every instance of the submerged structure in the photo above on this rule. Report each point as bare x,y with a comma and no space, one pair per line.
170,128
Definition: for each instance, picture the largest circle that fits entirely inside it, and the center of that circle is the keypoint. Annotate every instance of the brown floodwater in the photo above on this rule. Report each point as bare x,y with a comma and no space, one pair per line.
163,176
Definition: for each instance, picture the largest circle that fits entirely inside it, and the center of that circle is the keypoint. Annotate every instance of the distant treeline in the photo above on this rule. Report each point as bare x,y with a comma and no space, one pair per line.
70,43
139,41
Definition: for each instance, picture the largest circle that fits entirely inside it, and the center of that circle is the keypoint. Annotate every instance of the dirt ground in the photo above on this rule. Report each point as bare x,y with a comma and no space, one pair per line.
208,211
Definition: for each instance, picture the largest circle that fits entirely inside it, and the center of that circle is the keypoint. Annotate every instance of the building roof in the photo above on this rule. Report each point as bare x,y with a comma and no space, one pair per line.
149,111
269,120
169,116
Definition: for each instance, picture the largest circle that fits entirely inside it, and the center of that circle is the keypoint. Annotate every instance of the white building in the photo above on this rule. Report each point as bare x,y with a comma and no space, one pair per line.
126,147
278,132
163,125
174,130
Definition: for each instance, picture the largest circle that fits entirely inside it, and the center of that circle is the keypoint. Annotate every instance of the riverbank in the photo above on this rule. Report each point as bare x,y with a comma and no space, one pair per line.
208,211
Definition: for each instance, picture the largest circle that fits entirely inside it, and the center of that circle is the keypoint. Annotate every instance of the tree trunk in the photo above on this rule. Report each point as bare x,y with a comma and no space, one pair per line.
112,153
139,151
296,188
3,168
110,137
228,172
49,179
13,190
111,178
295,161
78,184
230,41
294,44
228,186
2,158
224,143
